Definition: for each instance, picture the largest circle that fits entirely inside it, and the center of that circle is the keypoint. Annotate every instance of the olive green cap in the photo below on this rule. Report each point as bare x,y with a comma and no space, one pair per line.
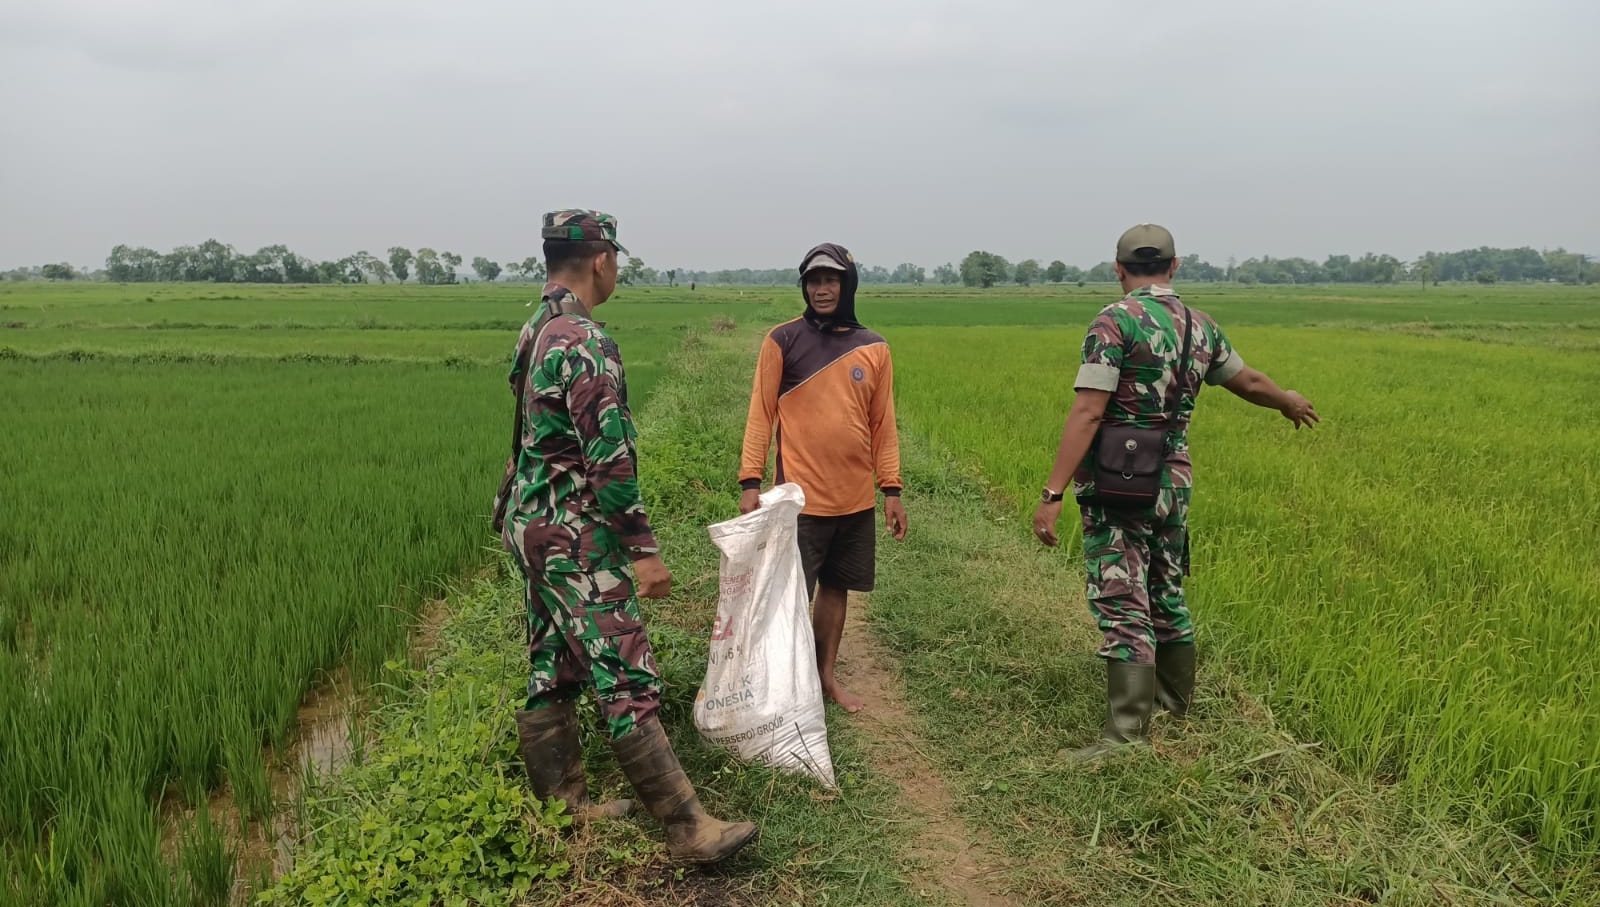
1145,242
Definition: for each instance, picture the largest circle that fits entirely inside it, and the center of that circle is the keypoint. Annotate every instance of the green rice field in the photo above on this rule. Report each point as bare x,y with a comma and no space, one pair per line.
214,497
1414,579
202,521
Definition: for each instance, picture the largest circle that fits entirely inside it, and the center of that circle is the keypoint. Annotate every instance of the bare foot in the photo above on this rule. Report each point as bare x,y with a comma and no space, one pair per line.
850,703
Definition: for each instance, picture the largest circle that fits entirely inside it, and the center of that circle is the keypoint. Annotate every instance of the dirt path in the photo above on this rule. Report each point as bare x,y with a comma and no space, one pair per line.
957,858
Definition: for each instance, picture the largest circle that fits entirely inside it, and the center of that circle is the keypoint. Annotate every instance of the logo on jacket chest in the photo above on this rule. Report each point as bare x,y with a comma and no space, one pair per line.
858,374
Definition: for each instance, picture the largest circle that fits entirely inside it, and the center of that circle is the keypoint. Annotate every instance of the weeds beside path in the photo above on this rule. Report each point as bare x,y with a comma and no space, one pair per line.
997,654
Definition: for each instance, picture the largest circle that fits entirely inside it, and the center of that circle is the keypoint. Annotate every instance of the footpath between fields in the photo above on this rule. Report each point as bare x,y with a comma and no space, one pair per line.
976,659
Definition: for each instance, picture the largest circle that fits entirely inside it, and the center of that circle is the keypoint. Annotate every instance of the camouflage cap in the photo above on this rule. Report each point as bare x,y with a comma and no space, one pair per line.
1145,242
580,224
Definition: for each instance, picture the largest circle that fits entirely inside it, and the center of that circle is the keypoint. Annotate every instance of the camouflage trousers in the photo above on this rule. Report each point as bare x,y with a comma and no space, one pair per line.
1135,560
585,631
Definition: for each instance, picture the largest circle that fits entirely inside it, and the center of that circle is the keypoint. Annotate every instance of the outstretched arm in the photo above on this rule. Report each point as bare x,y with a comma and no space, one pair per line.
1253,386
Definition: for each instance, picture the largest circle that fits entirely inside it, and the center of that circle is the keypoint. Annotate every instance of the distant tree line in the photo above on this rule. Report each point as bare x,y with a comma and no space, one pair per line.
1484,265
216,262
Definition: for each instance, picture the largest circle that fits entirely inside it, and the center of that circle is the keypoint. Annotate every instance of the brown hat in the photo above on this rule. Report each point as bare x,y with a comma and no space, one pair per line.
821,260
1145,242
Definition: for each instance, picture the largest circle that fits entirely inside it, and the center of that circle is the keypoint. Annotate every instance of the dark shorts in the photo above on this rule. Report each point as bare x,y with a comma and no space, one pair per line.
839,551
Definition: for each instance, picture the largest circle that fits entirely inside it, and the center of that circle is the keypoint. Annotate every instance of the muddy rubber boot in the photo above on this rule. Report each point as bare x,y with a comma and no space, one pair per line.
693,835
1175,678
553,759
1130,697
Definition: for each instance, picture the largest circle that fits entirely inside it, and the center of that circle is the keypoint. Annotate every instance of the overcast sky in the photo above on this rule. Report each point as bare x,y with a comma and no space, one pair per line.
728,134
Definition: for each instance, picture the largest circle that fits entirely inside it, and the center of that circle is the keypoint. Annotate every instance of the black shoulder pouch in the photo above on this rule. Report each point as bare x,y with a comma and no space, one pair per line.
1127,461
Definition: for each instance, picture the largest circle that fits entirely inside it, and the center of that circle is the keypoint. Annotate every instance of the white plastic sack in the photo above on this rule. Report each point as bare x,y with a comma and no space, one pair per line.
762,697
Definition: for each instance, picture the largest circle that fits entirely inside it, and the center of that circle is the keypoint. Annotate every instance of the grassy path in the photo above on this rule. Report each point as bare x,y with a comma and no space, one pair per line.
851,847
975,656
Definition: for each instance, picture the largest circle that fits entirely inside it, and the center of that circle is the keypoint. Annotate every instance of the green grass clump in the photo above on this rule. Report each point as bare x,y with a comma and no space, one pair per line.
440,814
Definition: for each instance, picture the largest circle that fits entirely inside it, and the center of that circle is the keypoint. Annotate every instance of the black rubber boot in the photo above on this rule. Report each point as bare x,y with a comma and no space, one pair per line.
553,759
1175,678
693,835
1130,697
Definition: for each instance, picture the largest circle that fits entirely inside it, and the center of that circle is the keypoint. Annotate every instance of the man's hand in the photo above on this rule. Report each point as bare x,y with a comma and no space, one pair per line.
1298,410
749,501
1255,387
894,517
652,578
1044,524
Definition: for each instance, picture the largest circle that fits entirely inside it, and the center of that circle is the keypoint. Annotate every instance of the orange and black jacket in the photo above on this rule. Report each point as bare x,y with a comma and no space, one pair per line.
825,388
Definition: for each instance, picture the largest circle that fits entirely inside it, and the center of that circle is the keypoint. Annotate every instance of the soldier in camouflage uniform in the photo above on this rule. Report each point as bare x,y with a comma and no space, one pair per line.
1136,557
576,523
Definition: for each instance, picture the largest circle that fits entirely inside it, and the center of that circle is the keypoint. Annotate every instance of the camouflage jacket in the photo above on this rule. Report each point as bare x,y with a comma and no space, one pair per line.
1133,349
574,504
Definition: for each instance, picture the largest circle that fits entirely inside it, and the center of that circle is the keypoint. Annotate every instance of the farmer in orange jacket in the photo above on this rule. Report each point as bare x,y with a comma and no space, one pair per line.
824,384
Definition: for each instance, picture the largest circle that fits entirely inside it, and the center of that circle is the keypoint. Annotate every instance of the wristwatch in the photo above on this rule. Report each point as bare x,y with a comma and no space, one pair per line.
1051,497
